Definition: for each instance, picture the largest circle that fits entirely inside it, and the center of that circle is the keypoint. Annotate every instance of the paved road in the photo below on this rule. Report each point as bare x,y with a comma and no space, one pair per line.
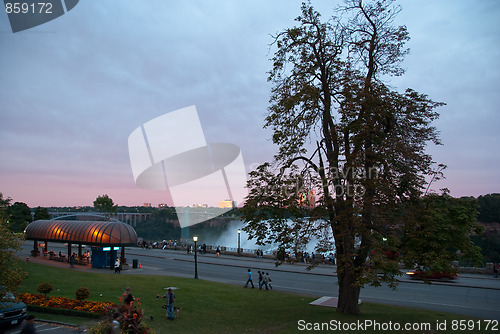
474,295
44,327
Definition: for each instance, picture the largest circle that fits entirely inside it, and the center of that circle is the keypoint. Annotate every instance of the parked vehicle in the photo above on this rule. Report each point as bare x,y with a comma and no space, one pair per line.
12,311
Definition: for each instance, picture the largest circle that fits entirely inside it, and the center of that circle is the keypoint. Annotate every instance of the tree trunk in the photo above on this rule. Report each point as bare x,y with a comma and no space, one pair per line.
348,292
346,270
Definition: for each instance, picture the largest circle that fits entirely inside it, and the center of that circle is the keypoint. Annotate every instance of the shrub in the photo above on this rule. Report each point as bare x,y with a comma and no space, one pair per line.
45,288
82,293
65,303
131,320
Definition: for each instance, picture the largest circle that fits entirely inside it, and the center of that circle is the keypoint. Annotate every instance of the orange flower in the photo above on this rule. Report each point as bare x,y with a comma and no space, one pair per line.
65,303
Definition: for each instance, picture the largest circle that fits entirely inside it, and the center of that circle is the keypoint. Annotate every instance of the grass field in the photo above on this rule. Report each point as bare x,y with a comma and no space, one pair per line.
209,307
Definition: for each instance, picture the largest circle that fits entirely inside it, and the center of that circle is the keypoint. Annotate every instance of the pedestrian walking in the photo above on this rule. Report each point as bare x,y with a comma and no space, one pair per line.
261,277
29,328
495,270
117,265
269,281
265,280
249,280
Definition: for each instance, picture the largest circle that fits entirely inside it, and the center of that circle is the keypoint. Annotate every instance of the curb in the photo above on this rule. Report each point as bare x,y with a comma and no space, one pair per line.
53,322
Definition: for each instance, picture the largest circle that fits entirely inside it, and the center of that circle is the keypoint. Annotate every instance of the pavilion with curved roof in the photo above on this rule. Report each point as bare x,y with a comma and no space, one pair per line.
82,231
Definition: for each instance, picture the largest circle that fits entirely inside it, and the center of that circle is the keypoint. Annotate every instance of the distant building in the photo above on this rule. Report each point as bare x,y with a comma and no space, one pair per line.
162,205
227,204
147,205
199,206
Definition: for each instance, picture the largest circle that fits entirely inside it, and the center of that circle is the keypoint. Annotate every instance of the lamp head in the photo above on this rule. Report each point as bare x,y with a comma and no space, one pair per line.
195,239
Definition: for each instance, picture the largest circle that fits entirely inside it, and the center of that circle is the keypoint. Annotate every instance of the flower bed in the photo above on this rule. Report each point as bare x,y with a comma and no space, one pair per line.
65,303
130,318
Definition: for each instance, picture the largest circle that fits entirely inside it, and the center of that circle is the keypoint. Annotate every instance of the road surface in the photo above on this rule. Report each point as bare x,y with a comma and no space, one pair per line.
473,295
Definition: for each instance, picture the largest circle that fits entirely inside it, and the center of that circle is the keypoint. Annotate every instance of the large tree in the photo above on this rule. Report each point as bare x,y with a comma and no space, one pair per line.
19,216
12,274
346,135
105,204
41,213
489,208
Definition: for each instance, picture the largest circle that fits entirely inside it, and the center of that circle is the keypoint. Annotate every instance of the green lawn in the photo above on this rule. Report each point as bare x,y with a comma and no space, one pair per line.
209,307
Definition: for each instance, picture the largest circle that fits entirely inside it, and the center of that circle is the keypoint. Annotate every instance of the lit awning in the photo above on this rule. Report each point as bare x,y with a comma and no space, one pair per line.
102,233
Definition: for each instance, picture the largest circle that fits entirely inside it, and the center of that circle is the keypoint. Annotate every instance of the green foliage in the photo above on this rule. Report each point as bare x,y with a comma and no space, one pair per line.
105,204
439,232
131,320
490,246
103,327
19,216
162,225
55,310
489,208
41,214
12,274
45,288
82,293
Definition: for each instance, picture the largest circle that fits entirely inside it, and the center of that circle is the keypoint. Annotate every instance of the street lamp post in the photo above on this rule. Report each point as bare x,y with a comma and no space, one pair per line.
239,249
195,239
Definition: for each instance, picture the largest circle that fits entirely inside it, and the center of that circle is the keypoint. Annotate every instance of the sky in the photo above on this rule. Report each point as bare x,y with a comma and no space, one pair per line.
73,89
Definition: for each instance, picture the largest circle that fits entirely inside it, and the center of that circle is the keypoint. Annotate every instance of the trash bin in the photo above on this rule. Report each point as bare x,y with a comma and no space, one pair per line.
135,263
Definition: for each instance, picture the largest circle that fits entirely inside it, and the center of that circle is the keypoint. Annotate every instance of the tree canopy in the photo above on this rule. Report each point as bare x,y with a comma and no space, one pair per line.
19,216
351,142
12,275
41,213
489,208
105,204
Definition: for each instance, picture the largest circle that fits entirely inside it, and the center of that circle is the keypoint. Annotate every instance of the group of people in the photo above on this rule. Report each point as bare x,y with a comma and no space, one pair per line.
170,244
82,259
306,257
264,280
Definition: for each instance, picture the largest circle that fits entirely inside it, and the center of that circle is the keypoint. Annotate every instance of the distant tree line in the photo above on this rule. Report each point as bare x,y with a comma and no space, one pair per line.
489,240
489,208
164,225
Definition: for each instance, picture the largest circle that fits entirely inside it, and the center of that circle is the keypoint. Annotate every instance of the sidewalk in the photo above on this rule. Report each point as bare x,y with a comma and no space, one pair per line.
464,280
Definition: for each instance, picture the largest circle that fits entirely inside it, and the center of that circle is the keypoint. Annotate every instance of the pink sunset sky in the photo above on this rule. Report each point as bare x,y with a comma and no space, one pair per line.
73,90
